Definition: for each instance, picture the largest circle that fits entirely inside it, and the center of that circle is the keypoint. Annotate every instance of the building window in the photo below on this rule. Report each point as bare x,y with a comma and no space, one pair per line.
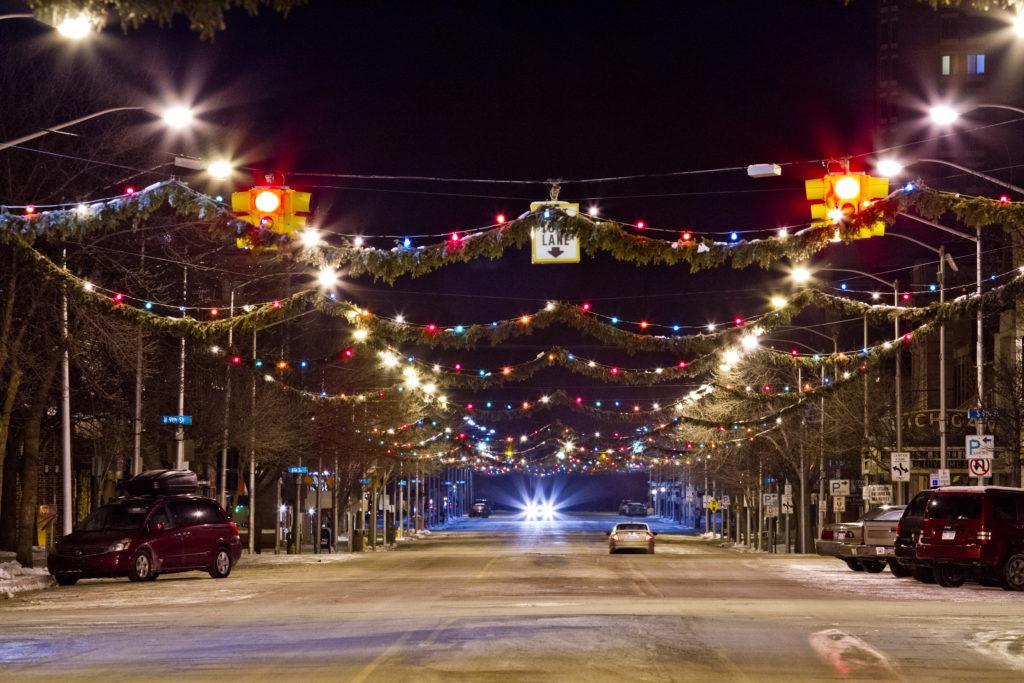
946,65
976,64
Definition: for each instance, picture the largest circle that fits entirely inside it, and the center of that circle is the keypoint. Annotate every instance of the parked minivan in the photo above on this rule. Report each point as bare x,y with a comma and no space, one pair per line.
974,532
143,536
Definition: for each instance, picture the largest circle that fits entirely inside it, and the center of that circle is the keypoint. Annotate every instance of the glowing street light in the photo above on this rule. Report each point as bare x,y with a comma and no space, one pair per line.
943,114
890,168
177,117
310,237
1018,25
75,27
220,169
800,275
328,277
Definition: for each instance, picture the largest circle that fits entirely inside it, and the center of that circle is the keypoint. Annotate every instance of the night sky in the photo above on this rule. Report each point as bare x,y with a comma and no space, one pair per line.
523,90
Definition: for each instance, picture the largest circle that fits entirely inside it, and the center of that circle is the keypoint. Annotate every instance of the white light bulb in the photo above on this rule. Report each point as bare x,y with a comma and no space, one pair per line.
778,302
178,117
361,334
328,277
220,169
800,274
890,168
749,342
310,238
731,357
943,115
75,28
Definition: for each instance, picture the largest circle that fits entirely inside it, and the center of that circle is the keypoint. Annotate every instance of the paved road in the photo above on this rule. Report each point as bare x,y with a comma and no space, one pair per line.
503,599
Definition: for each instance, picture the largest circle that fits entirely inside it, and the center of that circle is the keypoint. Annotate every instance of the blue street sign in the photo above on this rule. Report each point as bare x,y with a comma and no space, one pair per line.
364,481
978,414
175,419
302,469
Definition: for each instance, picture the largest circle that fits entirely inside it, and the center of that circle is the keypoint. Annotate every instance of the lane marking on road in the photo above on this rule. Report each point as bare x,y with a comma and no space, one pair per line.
391,650
1005,646
848,654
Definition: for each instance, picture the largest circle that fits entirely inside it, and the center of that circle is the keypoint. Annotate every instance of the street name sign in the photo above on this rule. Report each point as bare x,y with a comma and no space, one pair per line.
839,487
979,446
899,466
175,419
301,469
549,244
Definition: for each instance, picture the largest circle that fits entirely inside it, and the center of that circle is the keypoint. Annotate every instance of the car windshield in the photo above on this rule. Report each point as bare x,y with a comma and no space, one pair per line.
632,527
114,518
954,506
884,514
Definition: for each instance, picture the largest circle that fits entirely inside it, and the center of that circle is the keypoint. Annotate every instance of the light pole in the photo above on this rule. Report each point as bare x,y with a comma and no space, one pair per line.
72,27
174,117
891,167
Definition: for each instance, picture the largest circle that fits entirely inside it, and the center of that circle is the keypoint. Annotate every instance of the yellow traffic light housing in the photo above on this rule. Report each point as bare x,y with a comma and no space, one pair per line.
840,196
269,209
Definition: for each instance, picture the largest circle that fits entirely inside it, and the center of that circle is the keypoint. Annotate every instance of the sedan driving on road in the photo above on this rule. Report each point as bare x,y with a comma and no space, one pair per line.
631,536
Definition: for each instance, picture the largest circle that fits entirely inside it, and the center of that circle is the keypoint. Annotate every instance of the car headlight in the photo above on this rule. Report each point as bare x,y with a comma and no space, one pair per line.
120,545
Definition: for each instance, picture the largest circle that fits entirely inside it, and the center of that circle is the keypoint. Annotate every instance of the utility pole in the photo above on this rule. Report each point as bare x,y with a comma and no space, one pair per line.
899,381
318,480
942,362
252,457
67,513
137,450
979,344
227,411
179,433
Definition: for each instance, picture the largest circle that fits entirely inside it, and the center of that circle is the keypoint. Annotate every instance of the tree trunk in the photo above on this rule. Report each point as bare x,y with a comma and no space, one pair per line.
10,396
30,464
9,495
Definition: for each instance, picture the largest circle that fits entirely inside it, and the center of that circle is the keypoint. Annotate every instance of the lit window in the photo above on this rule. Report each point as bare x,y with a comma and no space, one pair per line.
976,64
945,65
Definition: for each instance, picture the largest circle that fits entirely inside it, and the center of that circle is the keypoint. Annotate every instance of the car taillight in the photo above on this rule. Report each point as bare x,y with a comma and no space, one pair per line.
234,528
614,537
984,535
827,535
650,536
899,528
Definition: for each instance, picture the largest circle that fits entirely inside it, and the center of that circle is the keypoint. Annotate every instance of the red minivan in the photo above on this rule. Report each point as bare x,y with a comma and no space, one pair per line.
974,532
143,536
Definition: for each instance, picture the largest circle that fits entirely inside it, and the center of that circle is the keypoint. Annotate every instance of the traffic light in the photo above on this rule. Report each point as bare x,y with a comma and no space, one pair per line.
839,196
271,210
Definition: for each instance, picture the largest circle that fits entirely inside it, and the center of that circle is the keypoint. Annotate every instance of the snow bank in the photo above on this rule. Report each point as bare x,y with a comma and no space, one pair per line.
16,579
270,559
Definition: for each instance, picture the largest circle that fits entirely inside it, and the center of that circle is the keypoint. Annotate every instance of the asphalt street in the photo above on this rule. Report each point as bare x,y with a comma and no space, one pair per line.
506,599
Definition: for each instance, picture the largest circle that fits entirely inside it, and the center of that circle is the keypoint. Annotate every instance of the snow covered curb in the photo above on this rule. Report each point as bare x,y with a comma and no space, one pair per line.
16,579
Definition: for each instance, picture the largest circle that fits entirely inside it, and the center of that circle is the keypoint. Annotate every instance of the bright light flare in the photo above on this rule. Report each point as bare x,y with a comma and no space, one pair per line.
310,237
800,275
847,187
943,115
778,302
220,169
178,117
75,27
890,168
328,277
268,202
1018,25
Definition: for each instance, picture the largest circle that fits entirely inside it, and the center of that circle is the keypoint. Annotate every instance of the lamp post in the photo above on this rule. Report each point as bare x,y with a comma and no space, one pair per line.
72,27
174,117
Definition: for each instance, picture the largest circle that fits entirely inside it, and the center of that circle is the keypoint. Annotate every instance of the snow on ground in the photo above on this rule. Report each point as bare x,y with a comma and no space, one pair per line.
832,575
270,559
16,579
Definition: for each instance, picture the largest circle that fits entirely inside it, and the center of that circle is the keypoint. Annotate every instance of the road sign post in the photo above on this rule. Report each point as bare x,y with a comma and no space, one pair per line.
839,487
899,466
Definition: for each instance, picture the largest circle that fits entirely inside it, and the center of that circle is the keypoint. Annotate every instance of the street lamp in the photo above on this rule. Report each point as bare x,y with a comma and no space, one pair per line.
175,117
1018,25
74,27
891,168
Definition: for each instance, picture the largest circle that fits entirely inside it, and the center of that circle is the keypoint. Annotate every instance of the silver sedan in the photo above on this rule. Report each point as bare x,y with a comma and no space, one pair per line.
631,536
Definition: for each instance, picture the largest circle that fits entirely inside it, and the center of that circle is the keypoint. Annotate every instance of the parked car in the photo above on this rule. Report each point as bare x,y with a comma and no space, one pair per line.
631,536
631,508
907,531
974,532
143,536
480,508
865,545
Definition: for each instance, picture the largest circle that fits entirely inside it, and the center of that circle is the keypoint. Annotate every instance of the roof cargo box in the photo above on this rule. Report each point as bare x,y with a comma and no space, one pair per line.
154,482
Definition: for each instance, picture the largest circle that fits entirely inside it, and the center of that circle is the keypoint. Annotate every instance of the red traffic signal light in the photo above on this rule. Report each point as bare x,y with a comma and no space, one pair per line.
270,208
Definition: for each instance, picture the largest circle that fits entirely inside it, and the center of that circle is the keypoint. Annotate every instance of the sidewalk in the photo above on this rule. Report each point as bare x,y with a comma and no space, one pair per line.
16,579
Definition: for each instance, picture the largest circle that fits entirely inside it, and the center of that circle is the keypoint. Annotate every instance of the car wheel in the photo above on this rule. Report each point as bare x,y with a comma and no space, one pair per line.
221,566
874,567
923,574
854,565
65,580
898,570
949,577
1013,573
141,567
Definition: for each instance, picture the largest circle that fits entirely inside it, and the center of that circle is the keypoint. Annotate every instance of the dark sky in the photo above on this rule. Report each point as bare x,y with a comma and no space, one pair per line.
529,90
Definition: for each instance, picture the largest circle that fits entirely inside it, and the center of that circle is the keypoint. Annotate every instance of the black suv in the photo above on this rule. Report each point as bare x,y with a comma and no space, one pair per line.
907,533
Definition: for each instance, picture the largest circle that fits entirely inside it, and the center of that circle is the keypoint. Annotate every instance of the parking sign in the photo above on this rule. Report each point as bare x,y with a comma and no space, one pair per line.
979,446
